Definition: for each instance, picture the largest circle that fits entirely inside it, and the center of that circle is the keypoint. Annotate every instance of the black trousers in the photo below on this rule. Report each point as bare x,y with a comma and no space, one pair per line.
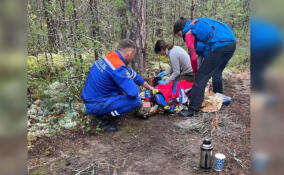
212,66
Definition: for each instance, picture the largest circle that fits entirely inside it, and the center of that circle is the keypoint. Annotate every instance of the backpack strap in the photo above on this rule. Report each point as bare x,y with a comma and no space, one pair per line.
188,26
193,22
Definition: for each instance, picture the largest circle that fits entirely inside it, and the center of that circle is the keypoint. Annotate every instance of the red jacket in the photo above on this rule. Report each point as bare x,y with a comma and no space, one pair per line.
190,42
172,90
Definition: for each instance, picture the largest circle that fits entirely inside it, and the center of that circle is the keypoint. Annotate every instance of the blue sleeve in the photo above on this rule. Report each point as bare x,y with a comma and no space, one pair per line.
136,77
122,78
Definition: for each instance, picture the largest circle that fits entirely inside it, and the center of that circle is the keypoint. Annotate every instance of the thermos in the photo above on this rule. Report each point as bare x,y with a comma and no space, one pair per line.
206,154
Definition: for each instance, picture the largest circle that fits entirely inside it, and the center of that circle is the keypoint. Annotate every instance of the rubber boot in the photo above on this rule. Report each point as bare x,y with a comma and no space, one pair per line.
187,113
106,123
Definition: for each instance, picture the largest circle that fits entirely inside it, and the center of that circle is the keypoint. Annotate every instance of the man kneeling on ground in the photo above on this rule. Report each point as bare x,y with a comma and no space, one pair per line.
110,89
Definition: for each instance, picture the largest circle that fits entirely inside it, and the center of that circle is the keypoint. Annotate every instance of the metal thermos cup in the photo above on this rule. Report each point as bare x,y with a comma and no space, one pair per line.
206,154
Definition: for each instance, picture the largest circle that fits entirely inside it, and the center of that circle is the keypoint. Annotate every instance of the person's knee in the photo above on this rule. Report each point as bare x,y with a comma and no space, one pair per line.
200,84
137,102
132,104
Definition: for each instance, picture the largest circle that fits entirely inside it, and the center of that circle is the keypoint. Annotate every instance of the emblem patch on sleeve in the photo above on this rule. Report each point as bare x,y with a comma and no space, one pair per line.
127,73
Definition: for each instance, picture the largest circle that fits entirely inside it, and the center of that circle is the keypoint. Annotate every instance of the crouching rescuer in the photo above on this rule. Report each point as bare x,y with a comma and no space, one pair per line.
111,87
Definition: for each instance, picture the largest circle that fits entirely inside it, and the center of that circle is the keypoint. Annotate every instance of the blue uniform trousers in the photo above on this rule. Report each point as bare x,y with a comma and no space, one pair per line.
115,106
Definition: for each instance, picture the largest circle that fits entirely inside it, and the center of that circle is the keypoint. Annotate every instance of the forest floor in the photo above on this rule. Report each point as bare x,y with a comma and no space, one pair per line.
154,146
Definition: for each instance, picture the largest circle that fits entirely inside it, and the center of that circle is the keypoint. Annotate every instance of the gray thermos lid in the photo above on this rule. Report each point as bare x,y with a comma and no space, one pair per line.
206,144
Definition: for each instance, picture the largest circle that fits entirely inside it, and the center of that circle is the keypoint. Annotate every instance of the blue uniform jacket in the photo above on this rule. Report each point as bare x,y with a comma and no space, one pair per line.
210,34
109,77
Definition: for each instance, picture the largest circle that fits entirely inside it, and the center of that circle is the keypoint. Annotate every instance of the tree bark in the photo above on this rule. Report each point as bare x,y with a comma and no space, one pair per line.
174,18
159,20
62,23
192,9
153,23
51,27
95,26
138,33
76,37
123,23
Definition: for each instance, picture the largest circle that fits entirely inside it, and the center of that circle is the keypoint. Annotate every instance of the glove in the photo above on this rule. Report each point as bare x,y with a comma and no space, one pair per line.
161,74
167,107
155,91
163,82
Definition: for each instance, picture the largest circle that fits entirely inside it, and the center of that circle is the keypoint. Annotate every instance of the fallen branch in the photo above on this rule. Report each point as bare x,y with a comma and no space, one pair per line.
87,168
239,161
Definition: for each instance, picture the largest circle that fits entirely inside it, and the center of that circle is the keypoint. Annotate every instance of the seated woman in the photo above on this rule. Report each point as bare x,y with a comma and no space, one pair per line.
180,62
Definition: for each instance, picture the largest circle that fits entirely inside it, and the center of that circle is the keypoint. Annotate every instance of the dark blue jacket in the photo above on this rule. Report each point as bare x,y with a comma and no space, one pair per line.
109,77
210,34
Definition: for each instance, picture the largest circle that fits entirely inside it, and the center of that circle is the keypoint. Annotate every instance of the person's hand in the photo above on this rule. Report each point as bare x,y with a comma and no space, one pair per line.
163,82
161,74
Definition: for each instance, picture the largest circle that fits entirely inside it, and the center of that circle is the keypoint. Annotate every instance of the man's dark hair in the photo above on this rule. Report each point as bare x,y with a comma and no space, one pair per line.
126,44
162,45
179,25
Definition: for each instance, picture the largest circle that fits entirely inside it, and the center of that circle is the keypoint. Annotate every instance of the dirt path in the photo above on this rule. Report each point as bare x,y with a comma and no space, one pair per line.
154,146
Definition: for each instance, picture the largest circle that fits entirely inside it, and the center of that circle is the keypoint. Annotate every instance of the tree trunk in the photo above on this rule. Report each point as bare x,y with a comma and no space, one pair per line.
51,27
95,26
62,24
76,37
138,33
174,17
246,7
192,9
123,22
159,20
153,23
179,8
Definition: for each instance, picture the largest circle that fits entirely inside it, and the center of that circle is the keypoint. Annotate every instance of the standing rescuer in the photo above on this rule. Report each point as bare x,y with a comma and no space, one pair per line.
213,40
110,89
